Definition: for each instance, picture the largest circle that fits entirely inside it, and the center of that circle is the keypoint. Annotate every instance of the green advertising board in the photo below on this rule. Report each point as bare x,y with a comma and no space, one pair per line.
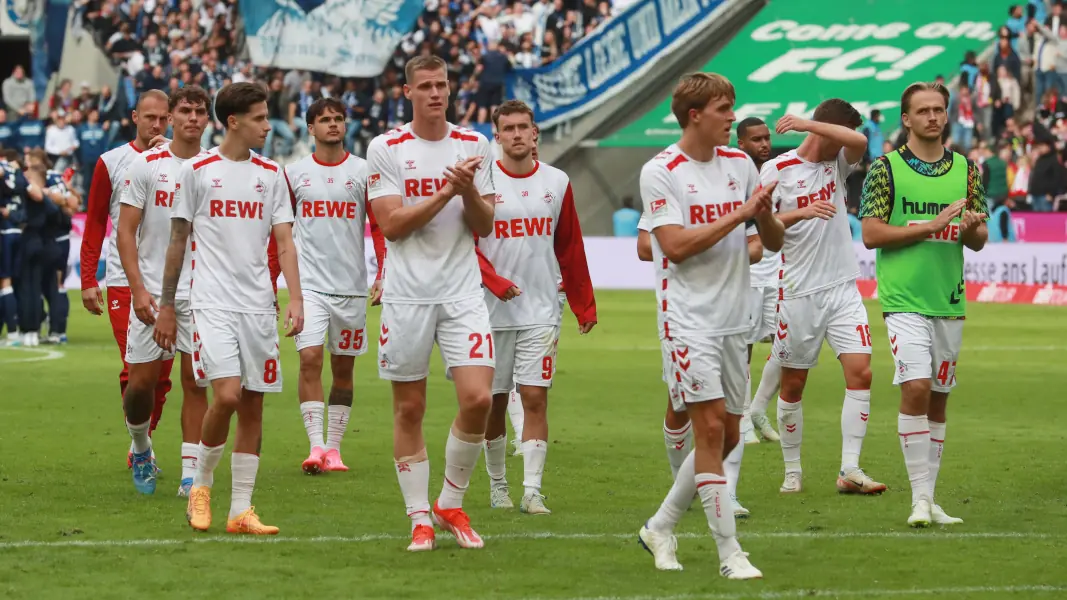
796,53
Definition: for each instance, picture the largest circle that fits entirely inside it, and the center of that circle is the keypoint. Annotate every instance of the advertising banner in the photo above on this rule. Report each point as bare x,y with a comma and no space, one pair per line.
789,58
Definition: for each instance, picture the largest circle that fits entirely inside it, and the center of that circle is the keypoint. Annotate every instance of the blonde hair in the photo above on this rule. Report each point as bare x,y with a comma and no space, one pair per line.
921,86
423,63
695,91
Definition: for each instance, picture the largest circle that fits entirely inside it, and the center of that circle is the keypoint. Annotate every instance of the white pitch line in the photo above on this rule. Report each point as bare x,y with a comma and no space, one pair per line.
844,593
48,355
376,537
580,347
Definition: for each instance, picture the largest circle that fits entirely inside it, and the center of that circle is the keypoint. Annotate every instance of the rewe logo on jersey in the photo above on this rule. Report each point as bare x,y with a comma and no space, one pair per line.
164,199
526,227
825,194
425,187
709,213
236,209
329,208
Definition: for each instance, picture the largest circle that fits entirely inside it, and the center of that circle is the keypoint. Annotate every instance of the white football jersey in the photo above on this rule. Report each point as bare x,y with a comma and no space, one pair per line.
330,206
117,161
817,254
536,240
644,225
150,184
436,263
706,294
232,206
765,272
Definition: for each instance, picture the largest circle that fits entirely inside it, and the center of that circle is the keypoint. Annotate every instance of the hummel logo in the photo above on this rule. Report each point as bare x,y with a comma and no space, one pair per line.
692,188
409,164
863,417
684,365
894,349
791,428
683,352
384,337
800,183
163,178
216,183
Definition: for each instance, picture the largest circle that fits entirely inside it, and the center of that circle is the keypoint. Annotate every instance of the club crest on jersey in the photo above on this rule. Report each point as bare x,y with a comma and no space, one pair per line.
733,185
305,183
658,204
697,385
127,184
374,181
350,185
549,197
261,188
409,165
216,183
828,170
163,178
499,199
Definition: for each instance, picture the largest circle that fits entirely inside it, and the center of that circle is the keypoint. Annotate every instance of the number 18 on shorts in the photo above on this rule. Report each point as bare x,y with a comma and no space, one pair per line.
232,344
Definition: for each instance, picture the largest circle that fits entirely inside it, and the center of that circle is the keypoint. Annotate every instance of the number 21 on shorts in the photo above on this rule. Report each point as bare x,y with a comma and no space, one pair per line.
476,344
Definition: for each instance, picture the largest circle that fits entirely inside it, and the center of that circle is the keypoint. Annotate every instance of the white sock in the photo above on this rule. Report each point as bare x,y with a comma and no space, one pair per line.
243,468
495,452
414,478
679,444
769,382
207,459
791,429
854,413
678,499
189,452
139,435
937,446
337,425
713,495
732,465
312,411
914,435
515,413
460,460
533,465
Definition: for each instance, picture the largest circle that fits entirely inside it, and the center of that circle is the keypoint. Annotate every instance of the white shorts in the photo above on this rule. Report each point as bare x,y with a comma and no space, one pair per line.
344,317
763,304
233,344
925,348
707,368
408,332
525,357
142,348
836,314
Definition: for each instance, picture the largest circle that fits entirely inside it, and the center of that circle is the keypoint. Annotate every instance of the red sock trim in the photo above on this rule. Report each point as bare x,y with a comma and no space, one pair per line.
677,431
711,482
938,441
913,433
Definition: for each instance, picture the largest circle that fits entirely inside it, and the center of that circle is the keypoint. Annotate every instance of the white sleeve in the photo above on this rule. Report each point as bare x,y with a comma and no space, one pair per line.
843,166
767,176
282,209
483,177
135,188
383,176
753,178
185,194
657,194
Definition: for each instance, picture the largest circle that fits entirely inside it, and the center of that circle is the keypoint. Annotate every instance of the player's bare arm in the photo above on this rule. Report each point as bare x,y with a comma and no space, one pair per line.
166,331
679,243
398,221
879,234
644,246
854,142
294,313
755,249
144,306
819,209
771,228
478,210
973,230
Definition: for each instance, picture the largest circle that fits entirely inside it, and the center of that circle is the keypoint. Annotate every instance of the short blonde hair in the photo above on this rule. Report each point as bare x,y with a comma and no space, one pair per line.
423,63
695,91
921,86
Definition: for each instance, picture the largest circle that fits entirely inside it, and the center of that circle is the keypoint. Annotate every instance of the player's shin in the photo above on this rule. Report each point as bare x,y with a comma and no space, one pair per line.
678,499
710,433
855,411
137,403
194,406
413,474
732,462
914,433
226,393
677,437
465,439
515,413
163,386
791,428
246,447
309,391
937,420
496,442
767,390
339,412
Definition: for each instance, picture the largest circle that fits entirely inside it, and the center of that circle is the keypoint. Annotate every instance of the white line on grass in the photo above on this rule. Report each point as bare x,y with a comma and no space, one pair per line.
843,593
375,537
47,355
580,347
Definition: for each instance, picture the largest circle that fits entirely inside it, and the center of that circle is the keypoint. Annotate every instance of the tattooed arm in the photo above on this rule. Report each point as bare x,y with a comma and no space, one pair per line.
166,323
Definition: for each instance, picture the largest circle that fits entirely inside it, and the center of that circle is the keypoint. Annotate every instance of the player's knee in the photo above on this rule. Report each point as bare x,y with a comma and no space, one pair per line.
342,368
228,401
477,401
712,431
860,378
311,361
408,413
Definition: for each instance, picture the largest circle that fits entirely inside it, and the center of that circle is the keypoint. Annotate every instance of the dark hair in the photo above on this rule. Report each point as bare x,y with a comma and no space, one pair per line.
921,86
157,94
838,112
193,94
512,107
237,99
742,127
875,114
321,105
